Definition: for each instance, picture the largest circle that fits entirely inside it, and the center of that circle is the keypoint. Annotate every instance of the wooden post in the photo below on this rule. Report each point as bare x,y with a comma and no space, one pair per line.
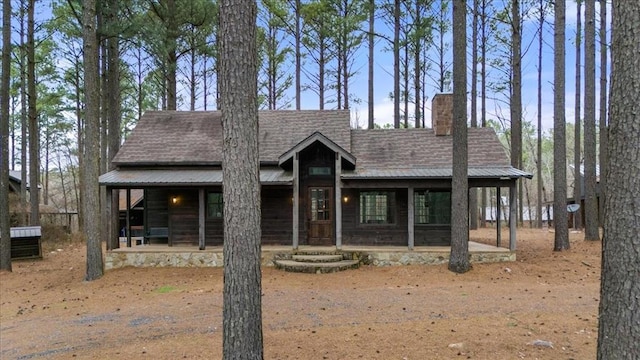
201,218
338,201
128,218
498,213
110,233
512,216
411,218
296,200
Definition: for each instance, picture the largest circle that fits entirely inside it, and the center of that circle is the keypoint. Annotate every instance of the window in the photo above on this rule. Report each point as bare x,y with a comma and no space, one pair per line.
214,205
320,204
377,207
319,170
432,207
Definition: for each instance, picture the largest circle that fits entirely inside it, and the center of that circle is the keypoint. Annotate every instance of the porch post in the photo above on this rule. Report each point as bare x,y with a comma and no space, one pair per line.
338,201
201,218
296,200
498,214
411,218
128,218
512,216
110,233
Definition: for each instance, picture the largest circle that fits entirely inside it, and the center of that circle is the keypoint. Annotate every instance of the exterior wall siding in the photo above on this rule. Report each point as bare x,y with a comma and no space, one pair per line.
277,215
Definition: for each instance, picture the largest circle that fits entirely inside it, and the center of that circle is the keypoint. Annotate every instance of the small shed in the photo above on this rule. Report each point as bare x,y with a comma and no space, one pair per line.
26,242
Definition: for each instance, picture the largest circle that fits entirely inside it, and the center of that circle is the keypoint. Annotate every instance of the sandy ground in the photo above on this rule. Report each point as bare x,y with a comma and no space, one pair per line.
496,311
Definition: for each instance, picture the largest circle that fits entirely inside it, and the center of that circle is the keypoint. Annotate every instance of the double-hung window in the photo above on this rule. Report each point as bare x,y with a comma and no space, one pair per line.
432,207
377,207
214,205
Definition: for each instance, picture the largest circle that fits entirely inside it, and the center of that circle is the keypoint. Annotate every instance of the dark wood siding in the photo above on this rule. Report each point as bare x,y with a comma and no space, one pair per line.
277,215
183,217
354,233
156,203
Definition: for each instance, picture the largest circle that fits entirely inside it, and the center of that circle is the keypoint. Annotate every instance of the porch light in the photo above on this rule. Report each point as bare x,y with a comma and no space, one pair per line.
345,199
174,200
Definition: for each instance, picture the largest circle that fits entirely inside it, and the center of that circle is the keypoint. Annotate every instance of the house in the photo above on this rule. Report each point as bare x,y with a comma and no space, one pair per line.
322,183
581,202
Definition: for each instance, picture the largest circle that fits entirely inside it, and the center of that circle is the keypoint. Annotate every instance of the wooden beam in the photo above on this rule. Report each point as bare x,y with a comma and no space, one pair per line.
296,200
109,205
498,214
338,201
512,217
128,217
411,218
201,218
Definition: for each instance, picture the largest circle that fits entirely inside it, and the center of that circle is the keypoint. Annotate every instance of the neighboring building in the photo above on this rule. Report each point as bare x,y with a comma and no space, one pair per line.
323,183
15,182
572,200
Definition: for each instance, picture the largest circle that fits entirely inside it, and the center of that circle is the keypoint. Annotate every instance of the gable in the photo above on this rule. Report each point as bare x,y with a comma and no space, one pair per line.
314,138
194,138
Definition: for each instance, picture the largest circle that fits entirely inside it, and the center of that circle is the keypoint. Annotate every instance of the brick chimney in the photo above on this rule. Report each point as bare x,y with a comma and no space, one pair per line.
442,114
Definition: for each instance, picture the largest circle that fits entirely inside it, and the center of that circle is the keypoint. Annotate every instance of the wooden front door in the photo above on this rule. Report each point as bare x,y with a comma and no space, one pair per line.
320,215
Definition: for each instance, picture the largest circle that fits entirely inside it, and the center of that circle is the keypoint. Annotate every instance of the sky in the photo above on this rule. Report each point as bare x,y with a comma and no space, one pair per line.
384,69
384,81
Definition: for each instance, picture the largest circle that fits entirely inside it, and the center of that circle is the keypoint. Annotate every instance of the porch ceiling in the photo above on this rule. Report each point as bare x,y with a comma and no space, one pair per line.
128,178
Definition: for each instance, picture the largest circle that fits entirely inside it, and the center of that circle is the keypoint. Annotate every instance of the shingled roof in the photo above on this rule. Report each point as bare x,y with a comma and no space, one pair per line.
195,137
166,139
410,148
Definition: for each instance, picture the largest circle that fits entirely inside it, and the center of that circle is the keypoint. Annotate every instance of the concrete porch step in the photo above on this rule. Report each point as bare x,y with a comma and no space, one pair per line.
320,258
317,267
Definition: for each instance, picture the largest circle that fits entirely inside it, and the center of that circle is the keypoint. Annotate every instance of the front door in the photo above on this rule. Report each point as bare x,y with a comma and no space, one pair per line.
320,215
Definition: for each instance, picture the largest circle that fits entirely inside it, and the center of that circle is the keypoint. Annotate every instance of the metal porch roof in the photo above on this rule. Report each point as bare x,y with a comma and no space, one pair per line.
434,173
180,177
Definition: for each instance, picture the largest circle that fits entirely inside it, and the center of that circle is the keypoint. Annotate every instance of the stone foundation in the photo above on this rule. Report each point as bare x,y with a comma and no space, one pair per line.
382,258
167,257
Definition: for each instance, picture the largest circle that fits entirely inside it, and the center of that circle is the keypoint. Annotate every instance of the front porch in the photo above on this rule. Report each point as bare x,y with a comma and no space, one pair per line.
212,256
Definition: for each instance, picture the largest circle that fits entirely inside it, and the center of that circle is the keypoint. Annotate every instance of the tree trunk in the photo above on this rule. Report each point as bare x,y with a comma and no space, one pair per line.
483,99
577,158
91,166
114,121
473,193
34,142
561,241
619,324
417,66
591,231
5,235
172,57
459,258
396,64
372,13
23,123
516,97
539,127
603,109
298,56
242,312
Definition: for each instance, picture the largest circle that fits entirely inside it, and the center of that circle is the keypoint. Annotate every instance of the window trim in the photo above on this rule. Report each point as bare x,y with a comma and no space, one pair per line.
221,204
391,199
416,212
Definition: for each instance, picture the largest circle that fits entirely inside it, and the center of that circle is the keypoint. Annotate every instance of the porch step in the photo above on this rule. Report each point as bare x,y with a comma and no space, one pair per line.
316,267
317,258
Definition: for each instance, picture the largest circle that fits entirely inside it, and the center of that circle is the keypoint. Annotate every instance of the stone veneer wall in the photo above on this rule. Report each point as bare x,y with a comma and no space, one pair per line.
442,114
422,258
115,260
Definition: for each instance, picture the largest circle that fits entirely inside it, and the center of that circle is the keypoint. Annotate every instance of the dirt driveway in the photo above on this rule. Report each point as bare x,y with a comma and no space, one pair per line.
497,311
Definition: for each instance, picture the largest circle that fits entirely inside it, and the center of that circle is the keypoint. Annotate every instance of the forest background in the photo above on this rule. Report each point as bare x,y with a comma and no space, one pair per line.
385,71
